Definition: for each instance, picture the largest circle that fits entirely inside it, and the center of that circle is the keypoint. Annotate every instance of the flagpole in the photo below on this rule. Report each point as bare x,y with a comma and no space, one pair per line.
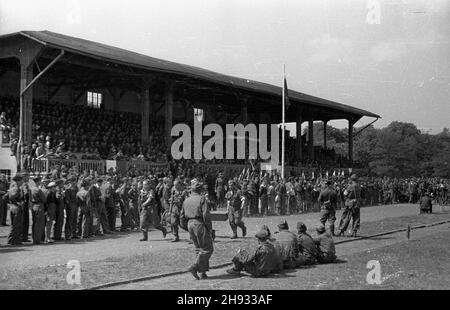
282,147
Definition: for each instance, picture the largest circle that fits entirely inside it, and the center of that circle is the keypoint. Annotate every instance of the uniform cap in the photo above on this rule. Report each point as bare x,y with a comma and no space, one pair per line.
51,184
283,225
196,185
35,178
354,177
320,229
301,226
17,177
262,234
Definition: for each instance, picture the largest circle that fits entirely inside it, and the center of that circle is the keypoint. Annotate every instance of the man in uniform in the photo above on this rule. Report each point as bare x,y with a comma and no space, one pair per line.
149,209
70,228
15,205
327,199
352,205
262,262
37,200
3,192
425,203
50,213
220,190
84,202
176,203
59,212
306,245
235,204
263,196
196,213
133,196
287,246
122,198
166,191
325,246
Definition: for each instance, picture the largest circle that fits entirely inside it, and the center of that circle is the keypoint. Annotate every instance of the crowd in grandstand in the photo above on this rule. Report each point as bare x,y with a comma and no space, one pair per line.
81,132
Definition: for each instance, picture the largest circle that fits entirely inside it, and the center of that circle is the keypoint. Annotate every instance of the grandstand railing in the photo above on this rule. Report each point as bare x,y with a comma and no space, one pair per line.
45,165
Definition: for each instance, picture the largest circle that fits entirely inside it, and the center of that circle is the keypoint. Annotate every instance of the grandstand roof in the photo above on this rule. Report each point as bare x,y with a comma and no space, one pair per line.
128,58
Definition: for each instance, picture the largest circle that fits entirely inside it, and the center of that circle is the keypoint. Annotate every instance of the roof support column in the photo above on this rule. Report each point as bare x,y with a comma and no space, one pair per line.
145,112
298,141
350,140
311,136
244,111
325,134
169,112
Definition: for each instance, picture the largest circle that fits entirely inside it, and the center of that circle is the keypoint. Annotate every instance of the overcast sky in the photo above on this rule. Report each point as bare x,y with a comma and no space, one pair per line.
389,57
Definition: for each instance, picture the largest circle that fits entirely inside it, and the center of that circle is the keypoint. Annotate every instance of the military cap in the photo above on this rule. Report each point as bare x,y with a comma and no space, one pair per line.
301,226
353,177
36,178
320,229
283,225
196,185
17,177
262,234
231,182
72,178
99,180
266,228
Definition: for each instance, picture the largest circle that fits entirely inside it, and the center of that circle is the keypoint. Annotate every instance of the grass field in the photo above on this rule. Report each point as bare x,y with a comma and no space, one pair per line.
137,265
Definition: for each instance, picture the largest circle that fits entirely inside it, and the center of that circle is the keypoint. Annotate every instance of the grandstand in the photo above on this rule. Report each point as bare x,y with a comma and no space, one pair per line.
89,103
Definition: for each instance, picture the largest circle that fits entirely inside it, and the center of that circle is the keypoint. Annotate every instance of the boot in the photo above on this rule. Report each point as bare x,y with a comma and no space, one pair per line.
203,276
193,271
144,236
332,230
176,239
354,234
244,231
341,233
164,232
234,235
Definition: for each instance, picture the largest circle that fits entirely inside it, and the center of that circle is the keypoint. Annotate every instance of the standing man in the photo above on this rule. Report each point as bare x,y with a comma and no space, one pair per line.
148,205
176,203
263,196
3,192
26,209
196,213
85,205
220,190
15,204
352,205
235,205
327,199
70,228
52,202
59,212
37,201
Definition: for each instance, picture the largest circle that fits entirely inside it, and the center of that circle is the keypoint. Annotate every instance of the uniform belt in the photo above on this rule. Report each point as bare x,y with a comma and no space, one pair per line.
195,218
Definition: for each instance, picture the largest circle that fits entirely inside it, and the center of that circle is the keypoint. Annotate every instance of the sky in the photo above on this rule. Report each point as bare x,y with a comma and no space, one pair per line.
388,57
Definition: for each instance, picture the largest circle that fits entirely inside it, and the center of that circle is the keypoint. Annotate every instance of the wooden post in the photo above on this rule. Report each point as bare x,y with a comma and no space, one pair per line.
325,134
350,141
169,113
299,146
145,113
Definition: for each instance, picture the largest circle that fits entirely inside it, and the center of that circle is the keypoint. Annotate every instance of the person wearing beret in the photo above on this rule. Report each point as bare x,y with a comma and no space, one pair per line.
352,206
287,246
261,262
235,206
195,213
327,199
148,204
15,205
325,246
